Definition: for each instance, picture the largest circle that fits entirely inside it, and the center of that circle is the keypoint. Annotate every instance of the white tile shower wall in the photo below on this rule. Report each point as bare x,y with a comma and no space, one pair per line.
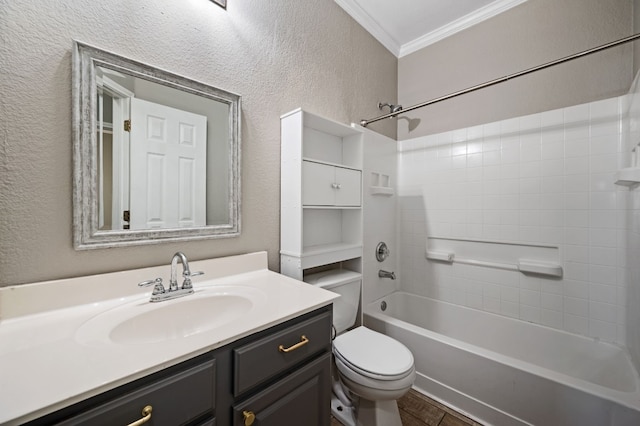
379,219
543,179
631,135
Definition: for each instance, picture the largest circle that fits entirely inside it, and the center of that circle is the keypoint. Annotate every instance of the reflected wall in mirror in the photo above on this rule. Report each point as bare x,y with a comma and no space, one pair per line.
156,155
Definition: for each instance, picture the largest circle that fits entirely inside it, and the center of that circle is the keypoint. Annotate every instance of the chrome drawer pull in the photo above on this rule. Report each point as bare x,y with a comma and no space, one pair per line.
146,412
303,341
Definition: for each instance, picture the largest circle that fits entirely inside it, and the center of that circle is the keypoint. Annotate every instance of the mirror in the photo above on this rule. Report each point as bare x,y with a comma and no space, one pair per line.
156,155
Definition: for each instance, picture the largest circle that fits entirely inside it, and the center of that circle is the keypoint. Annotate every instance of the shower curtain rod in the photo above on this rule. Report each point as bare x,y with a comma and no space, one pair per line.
364,123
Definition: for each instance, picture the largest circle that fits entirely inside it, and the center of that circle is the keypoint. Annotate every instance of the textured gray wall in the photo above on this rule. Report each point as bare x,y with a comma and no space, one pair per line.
636,29
528,35
278,55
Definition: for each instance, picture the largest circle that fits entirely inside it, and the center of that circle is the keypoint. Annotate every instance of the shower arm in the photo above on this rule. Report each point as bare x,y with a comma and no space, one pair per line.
365,123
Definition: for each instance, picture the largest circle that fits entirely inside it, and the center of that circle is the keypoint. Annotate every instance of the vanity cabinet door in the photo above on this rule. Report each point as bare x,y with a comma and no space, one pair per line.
185,397
301,398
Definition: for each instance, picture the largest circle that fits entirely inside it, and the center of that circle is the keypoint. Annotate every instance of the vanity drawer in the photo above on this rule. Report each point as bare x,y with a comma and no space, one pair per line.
181,398
269,356
300,398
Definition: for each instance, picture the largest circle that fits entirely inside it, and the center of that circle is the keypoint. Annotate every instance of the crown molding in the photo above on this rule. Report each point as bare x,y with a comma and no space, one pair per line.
477,16
369,24
467,21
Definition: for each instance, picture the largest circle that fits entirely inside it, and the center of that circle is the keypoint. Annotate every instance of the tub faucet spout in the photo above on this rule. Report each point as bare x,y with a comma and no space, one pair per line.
386,274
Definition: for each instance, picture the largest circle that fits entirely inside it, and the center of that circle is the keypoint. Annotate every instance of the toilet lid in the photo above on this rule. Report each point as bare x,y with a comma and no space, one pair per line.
373,352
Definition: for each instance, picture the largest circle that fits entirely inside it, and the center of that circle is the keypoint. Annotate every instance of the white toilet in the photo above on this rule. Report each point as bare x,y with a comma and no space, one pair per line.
373,369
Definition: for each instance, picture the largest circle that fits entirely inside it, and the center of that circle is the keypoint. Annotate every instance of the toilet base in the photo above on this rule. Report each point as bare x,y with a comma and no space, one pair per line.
369,413
378,413
345,415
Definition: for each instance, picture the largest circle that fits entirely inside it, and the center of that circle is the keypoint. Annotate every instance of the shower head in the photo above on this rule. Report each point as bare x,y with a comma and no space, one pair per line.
393,108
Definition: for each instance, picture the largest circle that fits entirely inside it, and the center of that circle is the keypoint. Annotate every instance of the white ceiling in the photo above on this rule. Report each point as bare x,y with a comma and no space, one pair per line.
404,26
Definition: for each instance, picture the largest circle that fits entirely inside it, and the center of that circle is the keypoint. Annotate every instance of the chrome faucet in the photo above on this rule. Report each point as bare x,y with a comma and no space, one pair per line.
386,274
186,273
160,293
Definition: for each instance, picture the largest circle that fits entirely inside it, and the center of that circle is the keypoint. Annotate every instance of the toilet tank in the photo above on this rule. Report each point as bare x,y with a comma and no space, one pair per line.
347,284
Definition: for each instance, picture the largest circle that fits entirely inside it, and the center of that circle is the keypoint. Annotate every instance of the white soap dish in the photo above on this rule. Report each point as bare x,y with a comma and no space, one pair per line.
628,176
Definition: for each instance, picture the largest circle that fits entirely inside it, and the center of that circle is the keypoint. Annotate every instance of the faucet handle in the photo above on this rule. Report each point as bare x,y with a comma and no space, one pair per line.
158,288
186,284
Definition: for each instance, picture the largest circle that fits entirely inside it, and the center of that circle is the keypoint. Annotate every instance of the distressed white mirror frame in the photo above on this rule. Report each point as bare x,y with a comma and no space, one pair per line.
86,232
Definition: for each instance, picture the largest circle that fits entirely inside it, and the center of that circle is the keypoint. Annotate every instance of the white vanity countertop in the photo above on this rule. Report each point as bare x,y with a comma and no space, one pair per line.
44,366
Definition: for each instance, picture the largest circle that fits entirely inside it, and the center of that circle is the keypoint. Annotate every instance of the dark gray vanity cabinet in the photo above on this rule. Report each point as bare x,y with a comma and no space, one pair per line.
298,399
299,355
278,351
184,394
279,376
184,397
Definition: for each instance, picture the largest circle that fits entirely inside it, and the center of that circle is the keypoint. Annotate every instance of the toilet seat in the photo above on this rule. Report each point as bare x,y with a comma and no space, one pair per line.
372,388
373,355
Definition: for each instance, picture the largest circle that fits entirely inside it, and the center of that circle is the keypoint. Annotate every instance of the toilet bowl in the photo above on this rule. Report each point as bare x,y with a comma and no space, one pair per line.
371,370
377,370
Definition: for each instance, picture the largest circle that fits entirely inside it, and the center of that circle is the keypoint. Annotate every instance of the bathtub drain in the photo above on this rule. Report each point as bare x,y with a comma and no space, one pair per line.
383,305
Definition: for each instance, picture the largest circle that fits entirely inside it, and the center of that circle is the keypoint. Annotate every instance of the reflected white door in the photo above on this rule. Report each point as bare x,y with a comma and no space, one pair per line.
168,167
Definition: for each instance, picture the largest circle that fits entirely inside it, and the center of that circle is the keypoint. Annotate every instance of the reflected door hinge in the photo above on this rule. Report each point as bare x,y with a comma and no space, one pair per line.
126,216
127,125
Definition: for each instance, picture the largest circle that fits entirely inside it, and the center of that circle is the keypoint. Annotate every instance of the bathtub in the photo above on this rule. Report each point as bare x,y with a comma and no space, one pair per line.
502,371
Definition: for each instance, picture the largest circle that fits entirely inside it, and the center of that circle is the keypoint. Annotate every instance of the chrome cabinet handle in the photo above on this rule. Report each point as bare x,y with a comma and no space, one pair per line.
303,341
146,416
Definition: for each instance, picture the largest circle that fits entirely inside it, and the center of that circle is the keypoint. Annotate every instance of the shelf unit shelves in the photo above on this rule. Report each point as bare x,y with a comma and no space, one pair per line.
321,194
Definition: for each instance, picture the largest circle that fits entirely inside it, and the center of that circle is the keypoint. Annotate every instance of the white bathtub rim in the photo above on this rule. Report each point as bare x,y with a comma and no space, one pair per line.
466,346
533,324
627,399
488,410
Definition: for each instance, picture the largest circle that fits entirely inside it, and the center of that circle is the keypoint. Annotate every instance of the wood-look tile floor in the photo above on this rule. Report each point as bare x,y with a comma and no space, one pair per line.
417,409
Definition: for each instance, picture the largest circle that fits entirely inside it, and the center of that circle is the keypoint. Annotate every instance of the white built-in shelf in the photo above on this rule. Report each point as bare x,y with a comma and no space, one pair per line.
380,184
329,163
321,194
327,248
325,254
331,207
333,277
381,190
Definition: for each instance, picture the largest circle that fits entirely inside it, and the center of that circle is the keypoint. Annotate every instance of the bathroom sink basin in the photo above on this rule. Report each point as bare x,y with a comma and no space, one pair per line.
143,322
